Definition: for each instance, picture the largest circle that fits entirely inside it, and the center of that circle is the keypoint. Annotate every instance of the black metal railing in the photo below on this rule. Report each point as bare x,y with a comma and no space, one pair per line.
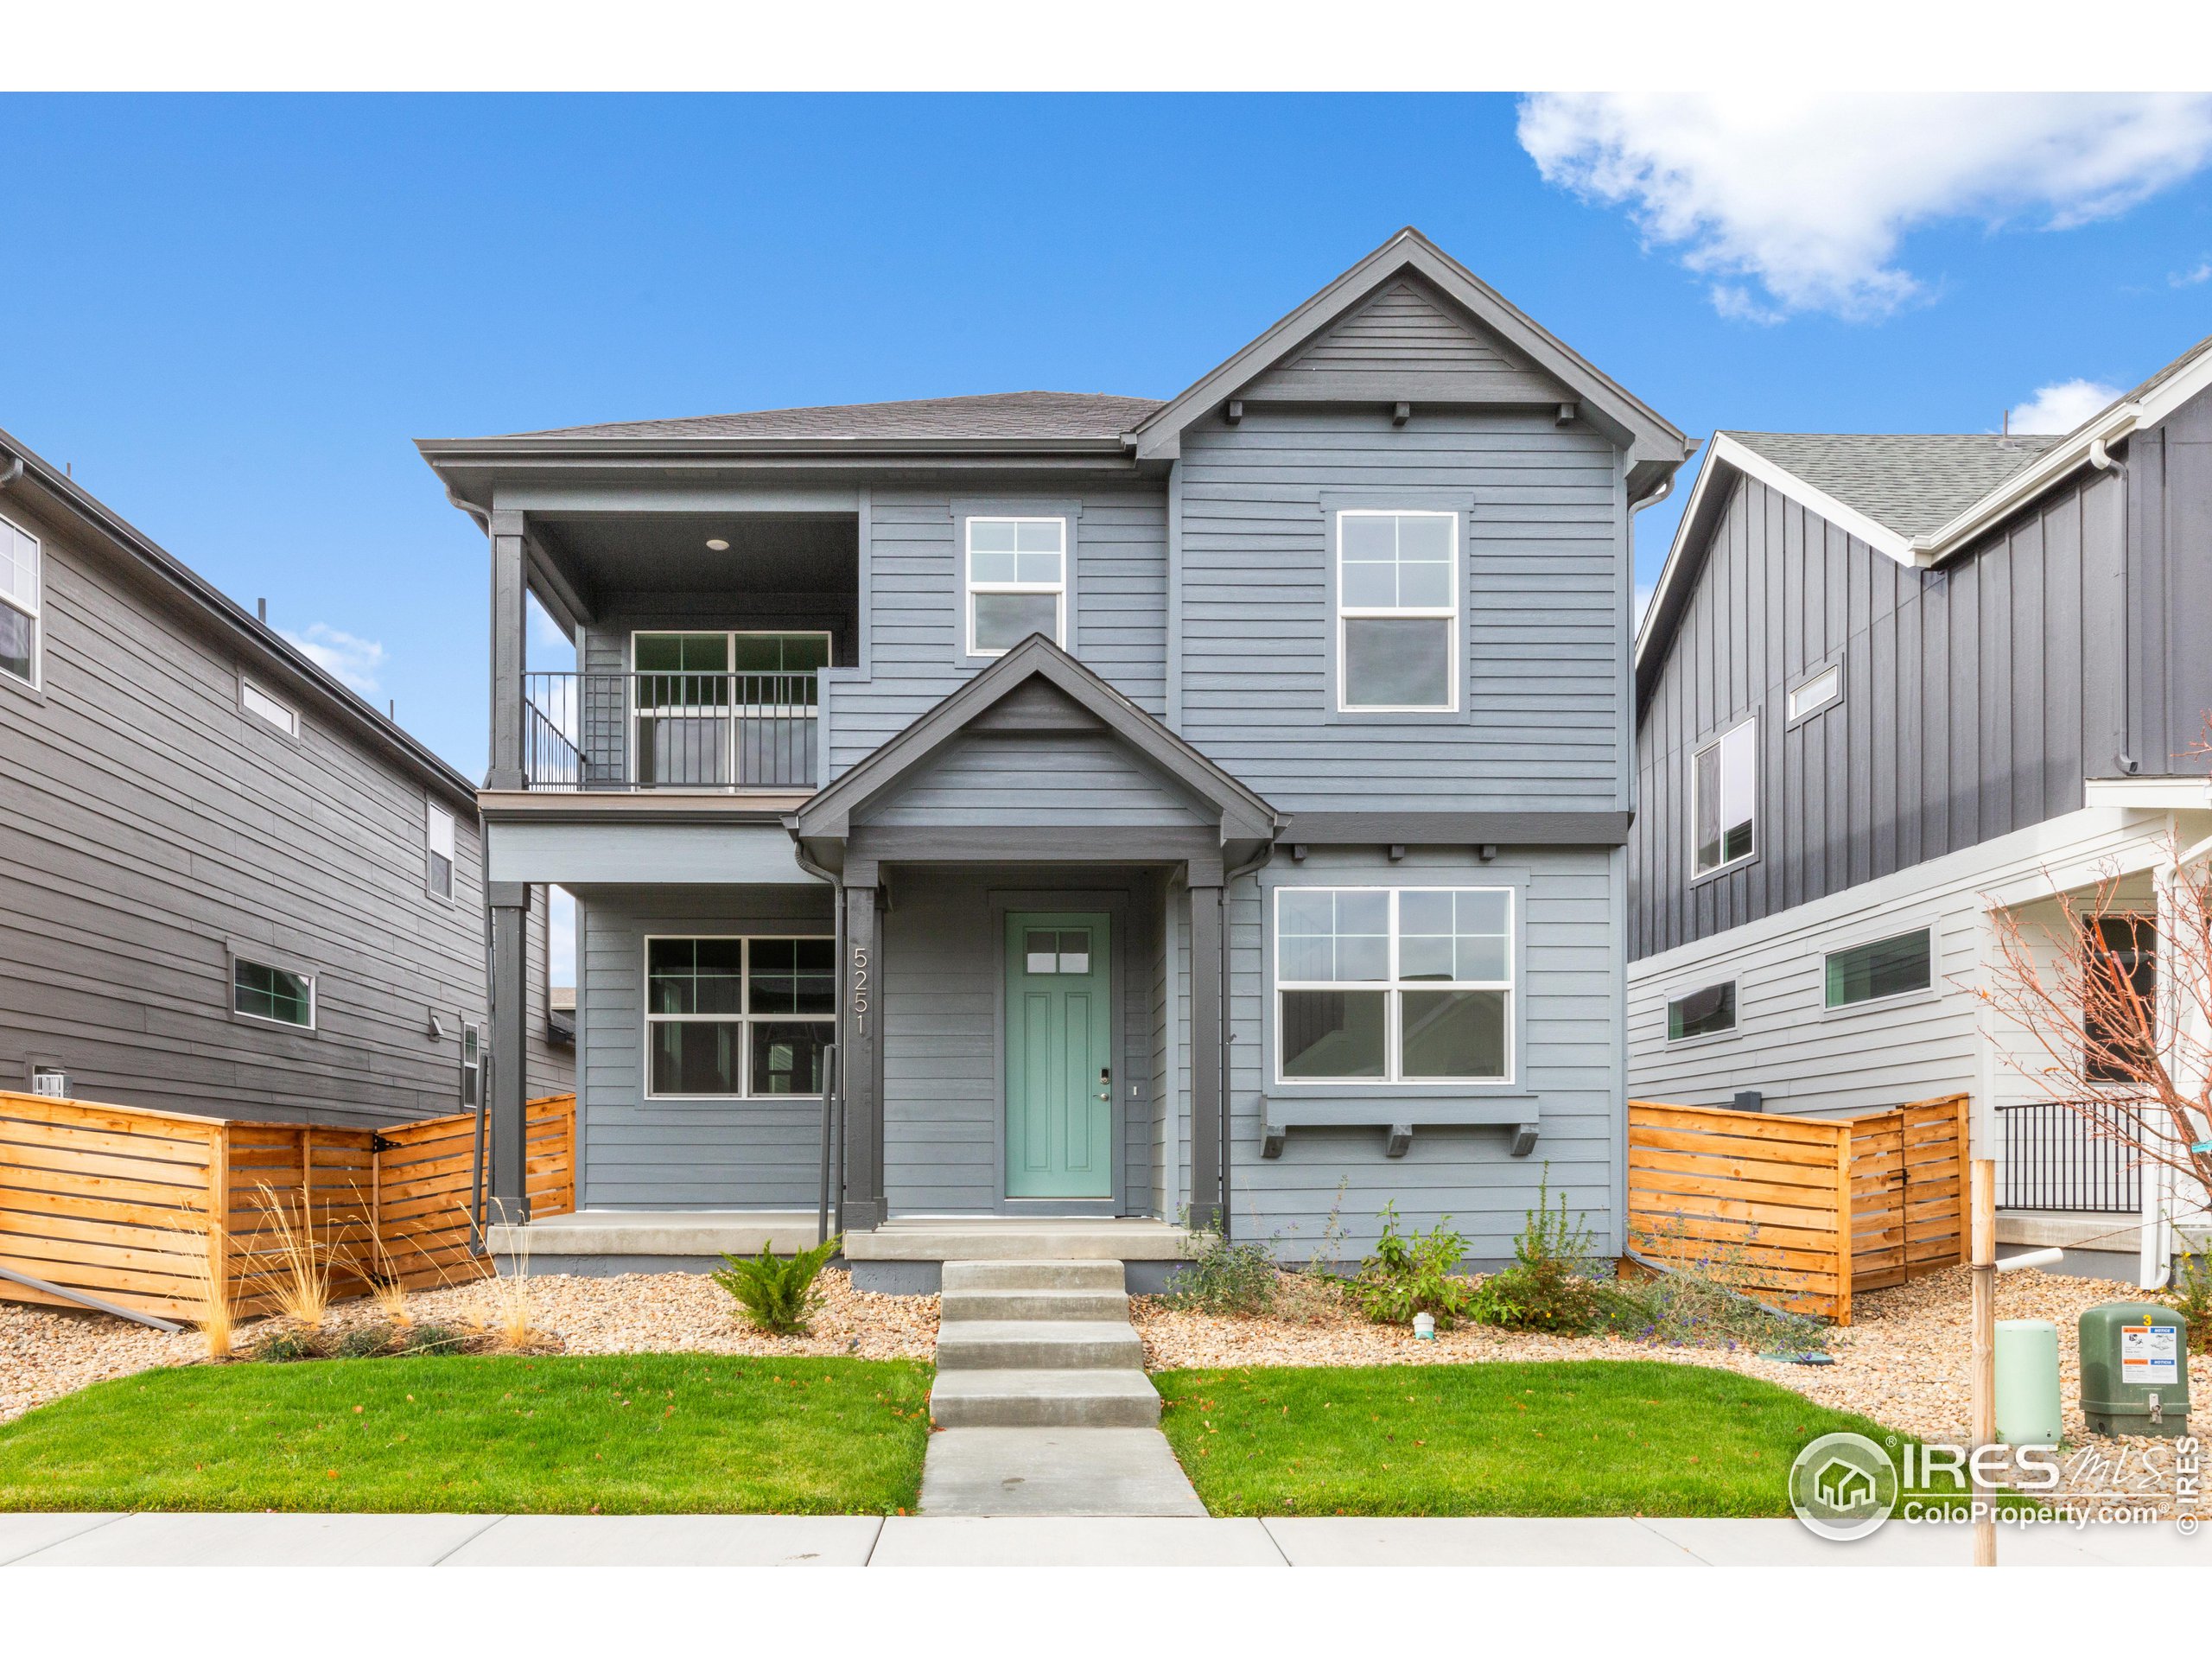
2066,1156
670,731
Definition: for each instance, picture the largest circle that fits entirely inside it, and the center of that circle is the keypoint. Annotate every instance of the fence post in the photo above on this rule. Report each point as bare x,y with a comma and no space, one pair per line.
1844,1239
218,1212
1966,1176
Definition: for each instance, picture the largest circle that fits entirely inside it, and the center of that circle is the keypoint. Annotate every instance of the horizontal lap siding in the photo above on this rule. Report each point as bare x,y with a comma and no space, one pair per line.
914,597
1569,1066
1036,779
1543,633
1976,698
148,822
647,1154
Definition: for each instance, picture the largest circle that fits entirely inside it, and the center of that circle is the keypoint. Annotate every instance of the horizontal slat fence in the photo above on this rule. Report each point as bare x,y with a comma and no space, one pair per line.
1800,1211
117,1201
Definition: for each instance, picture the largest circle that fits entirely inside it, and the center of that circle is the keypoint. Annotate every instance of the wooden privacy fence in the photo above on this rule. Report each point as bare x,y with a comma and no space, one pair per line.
117,1201
1802,1211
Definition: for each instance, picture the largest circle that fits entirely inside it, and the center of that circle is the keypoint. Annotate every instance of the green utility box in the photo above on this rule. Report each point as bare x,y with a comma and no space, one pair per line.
2027,1383
2135,1369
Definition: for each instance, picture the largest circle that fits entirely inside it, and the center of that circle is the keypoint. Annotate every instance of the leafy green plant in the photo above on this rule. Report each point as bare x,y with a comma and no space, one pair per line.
1222,1277
2190,1294
777,1293
1554,1283
1411,1272
1712,1296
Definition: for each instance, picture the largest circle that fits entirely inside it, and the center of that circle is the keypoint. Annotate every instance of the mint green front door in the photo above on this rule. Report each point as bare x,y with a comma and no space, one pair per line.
1059,1085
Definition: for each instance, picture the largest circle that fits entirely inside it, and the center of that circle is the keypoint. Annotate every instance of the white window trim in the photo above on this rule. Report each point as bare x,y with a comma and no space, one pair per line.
1892,930
1394,988
744,1017
1448,613
249,687
432,812
314,993
1735,1028
969,587
1797,711
35,607
1699,753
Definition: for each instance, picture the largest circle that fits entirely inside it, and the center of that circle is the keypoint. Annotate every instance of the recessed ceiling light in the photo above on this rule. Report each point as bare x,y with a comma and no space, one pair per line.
718,544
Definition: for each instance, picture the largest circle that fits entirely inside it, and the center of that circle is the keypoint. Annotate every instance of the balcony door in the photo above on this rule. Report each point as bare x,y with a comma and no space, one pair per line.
728,709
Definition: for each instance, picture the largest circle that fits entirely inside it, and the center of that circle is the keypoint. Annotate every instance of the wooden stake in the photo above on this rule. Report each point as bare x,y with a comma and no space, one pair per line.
1985,1351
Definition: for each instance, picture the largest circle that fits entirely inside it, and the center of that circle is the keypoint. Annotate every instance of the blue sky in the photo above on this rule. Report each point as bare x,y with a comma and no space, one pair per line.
231,315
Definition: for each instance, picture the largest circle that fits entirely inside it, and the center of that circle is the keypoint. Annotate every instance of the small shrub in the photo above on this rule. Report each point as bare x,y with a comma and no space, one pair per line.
2190,1296
288,1343
777,1293
362,1342
1412,1274
1712,1297
425,1338
1556,1283
1223,1278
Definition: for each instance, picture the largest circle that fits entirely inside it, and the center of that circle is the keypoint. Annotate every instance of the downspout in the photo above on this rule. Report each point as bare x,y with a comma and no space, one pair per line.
15,470
1229,1024
833,1088
2102,459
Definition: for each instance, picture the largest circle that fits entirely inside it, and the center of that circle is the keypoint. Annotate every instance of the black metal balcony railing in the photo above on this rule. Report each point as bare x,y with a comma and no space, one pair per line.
2056,1158
670,731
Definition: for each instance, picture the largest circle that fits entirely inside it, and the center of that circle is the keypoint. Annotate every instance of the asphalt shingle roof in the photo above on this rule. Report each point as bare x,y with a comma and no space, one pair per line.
1912,483
997,414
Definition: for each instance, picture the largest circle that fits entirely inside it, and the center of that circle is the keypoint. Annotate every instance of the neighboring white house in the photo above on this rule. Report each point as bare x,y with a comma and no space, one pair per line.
1890,686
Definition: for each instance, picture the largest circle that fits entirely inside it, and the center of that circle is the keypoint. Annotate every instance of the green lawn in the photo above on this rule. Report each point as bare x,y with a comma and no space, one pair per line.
1588,1437
626,1434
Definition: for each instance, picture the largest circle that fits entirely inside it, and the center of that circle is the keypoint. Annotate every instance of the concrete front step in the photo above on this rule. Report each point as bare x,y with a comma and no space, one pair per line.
1111,1305
1031,1399
1037,1345
1035,1275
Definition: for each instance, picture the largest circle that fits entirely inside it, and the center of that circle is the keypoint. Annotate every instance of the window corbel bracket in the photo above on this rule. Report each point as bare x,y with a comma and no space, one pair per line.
1400,1137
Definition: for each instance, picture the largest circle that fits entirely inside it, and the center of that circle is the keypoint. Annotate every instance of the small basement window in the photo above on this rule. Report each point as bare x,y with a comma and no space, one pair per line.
438,830
259,991
1892,967
1823,689
263,707
1702,1014
1724,792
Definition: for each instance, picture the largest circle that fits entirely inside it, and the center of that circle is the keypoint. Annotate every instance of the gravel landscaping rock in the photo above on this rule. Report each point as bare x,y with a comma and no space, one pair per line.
45,1352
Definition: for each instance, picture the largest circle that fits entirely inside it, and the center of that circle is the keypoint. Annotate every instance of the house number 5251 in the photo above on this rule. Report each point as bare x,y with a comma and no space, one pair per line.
860,986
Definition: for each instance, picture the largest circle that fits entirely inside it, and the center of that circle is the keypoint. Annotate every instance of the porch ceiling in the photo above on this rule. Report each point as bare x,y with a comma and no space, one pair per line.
609,554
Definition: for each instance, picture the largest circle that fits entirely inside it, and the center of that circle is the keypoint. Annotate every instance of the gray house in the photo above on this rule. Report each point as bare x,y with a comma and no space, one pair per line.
1893,689
1086,812
227,884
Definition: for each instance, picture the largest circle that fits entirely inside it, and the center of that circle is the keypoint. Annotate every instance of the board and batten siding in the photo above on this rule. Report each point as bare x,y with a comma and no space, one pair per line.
1570,1067
636,1154
1806,1059
914,592
149,823
1977,696
1544,606
2169,581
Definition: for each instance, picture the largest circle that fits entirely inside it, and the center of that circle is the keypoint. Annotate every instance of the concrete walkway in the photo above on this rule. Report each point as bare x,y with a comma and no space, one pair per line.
387,1541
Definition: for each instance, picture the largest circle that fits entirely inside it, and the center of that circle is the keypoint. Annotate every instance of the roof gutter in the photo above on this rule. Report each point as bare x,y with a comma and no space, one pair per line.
2088,446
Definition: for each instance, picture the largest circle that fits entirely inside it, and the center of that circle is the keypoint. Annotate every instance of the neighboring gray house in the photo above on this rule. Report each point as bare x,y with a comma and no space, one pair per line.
1890,688
1209,807
227,884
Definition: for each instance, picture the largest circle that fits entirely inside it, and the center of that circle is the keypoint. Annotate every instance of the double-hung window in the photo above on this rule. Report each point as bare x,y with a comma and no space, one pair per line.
1017,583
1389,985
1724,795
1397,611
738,1017
438,834
19,603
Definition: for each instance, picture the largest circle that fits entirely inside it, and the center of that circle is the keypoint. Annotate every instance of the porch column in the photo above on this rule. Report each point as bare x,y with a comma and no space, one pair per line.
860,1065
509,1179
1208,1206
509,605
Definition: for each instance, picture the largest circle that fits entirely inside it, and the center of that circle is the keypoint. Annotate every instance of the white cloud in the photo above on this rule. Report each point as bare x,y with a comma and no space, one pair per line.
353,660
2063,406
2191,278
1797,202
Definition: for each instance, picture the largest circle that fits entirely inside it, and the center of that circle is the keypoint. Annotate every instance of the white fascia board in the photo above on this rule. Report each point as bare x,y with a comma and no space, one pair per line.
2150,794
1850,520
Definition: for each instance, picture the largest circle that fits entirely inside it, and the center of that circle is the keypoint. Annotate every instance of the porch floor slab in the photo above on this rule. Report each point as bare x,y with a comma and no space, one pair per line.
1078,1472
659,1233
1019,1238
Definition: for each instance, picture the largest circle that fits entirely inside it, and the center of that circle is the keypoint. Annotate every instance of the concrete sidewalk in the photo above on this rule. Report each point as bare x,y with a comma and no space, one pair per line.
265,1539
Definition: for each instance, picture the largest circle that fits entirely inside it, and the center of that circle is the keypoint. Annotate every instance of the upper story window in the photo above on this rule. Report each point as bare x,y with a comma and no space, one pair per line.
1384,985
1817,693
263,707
1723,791
438,836
1398,611
19,589
1017,583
